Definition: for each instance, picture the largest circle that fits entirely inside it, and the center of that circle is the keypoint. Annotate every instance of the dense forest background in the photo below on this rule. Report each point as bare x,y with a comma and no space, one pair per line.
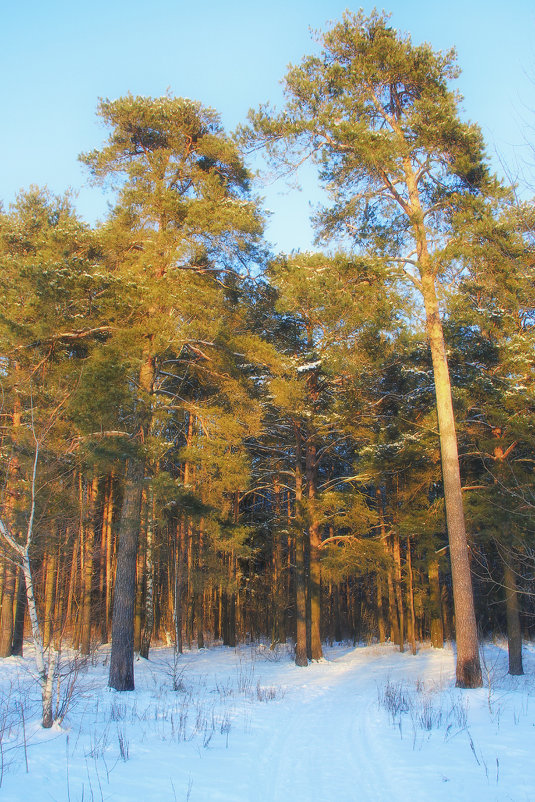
202,440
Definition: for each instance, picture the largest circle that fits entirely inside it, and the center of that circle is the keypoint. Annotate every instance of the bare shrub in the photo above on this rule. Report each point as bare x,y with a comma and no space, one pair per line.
245,676
124,744
268,693
395,699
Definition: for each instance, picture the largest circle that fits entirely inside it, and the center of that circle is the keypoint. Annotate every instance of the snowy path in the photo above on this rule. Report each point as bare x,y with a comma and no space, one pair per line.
250,728
321,748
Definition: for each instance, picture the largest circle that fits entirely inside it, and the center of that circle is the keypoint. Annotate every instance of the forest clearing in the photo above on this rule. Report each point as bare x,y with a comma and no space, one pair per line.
319,464
366,724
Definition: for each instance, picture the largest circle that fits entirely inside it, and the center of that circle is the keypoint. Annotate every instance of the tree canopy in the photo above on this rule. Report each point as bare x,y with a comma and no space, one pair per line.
215,442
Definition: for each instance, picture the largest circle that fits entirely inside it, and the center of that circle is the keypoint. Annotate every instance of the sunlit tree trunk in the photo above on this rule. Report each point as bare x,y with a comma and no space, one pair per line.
410,590
88,518
72,585
437,628
514,633
278,634
9,568
468,670
380,610
149,579
50,583
180,554
138,605
20,613
300,578
106,558
468,664
199,606
315,548
6,618
400,614
121,676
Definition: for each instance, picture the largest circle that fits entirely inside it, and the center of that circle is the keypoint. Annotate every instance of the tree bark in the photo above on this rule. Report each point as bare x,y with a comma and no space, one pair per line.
514,633
180,551
20,613
106,555
316,651
437,628
6,618
88,515
396,552
149,580
410,589
278,633
380,609
9,574
138,604
468,670
50,583
121,675
300,578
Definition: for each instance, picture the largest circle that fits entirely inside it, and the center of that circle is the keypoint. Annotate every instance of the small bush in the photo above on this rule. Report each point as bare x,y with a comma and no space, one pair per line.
268,693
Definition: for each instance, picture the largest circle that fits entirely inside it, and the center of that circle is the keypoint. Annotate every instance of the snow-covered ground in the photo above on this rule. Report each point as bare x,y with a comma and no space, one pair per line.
247,725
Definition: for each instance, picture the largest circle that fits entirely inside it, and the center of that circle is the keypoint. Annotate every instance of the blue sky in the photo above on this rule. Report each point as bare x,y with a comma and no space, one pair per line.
57,57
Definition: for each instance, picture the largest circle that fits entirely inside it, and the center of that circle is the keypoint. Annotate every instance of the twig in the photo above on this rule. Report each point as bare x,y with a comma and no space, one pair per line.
24,737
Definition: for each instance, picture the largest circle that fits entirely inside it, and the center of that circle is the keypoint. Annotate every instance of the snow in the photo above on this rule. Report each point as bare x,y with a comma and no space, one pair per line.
309,366
245,724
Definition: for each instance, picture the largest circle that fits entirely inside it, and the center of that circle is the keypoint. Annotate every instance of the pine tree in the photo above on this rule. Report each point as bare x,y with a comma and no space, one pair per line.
183,218
338,310
376,112
492,332
49,326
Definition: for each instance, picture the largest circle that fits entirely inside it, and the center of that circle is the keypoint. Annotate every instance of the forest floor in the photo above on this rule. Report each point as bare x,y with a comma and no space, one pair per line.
246,725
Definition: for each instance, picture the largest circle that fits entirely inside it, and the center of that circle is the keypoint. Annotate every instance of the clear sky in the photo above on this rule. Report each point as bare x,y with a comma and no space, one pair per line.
57,57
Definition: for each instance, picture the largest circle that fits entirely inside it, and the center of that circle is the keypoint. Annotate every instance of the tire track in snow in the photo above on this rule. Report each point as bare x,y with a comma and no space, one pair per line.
323,746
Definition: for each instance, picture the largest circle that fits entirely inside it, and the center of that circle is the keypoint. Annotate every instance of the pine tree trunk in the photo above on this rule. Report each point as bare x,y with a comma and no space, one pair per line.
468,670
140,574
20,612
138,605
199,605
337,620
380,610
6,618
9,571
392,610
385,540
229,608
121,675
88,514
437,629
514,633
300,577
447,613
50,582
190,597
106,551
180,548
2,572
59,591
278,634
410,589
73,578
149,574
316,651
396,551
